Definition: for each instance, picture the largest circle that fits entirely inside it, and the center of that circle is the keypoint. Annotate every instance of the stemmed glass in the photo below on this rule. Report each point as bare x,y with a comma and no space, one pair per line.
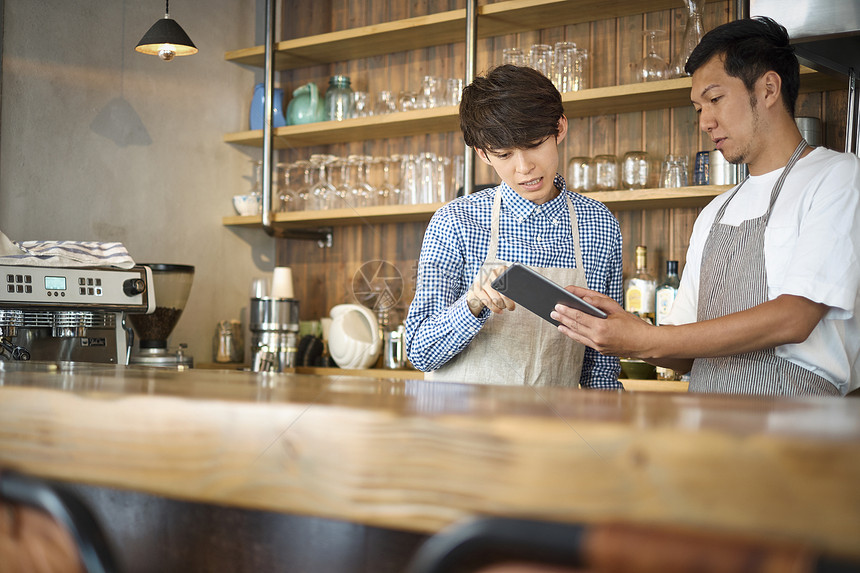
653,66
384,189
360,190
323,192
302,187
341,180
286,194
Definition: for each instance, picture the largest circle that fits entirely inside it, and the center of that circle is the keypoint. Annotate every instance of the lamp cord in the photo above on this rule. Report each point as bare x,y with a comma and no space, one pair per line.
166,7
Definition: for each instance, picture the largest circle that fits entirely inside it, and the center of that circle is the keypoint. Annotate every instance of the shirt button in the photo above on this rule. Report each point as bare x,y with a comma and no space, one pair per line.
519,219
537,209
537,238
555,221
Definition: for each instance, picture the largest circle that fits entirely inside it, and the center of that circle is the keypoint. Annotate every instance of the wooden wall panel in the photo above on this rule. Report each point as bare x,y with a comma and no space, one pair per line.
323,277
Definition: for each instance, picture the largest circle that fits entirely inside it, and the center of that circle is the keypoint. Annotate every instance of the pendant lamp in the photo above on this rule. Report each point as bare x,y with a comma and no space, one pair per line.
166,39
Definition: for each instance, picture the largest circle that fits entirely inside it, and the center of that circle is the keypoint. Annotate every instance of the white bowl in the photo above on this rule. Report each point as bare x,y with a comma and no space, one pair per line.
247,204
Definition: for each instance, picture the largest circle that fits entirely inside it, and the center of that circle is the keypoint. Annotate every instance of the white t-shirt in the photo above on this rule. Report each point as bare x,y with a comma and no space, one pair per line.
812,249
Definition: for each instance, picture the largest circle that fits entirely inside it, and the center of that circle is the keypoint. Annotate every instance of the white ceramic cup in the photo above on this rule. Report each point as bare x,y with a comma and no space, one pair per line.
282,283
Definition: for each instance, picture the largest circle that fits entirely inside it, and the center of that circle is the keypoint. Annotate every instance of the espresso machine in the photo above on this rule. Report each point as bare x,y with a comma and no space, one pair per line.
70,314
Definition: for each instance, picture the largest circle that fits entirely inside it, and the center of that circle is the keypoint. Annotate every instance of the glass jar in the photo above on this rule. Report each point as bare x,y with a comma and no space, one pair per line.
338,99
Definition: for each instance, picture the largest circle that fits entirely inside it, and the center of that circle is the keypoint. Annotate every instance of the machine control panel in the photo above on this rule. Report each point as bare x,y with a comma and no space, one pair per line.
79,288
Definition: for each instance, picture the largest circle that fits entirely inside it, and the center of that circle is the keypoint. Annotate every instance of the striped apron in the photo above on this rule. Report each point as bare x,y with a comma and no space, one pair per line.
733,278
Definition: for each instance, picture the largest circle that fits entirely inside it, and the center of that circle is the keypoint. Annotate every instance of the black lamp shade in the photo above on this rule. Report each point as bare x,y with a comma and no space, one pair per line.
166,31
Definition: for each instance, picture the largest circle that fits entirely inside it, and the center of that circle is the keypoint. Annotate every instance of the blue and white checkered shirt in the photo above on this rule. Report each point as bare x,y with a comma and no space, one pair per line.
439,324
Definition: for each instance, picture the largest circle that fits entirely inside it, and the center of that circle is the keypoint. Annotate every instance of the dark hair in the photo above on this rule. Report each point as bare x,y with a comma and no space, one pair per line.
511,107
750,48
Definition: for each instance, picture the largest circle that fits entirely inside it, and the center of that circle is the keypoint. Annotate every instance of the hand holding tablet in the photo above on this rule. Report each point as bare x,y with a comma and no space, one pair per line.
539,294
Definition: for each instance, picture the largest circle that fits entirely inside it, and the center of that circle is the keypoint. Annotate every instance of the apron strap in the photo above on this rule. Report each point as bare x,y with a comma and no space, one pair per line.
777,187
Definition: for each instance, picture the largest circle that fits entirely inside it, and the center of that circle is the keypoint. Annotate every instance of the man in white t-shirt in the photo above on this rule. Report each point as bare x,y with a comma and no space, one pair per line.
769,302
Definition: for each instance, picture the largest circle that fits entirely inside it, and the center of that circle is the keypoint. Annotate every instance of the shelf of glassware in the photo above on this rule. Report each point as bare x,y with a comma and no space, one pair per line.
494,19
591,102
693,196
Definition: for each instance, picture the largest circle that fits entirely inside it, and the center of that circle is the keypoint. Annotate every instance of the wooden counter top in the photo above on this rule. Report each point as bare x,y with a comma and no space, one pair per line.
419,455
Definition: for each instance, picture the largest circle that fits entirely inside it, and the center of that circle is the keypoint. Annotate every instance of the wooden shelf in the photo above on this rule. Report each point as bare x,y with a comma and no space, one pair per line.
585,103
399,124
341,217
495,19
696,196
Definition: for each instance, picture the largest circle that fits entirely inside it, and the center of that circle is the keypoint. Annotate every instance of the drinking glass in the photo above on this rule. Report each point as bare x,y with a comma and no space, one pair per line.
302,177
458,174
360,104
673,173
605,173
323,193
339,176
564,66
514,56
540,58
453,91
443,180
427,177
360,190
286,196
580,76
385,103
635,170
395,176
580,174
380,169
410,180
407,101
431,94
653,66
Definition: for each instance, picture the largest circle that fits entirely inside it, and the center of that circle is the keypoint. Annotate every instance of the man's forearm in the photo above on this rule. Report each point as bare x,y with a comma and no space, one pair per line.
785,320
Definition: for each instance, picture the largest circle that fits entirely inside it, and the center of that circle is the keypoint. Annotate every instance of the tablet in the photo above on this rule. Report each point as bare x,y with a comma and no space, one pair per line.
539,294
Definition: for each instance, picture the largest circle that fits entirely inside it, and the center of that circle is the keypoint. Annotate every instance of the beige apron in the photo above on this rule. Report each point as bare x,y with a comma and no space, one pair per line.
518,347
733,278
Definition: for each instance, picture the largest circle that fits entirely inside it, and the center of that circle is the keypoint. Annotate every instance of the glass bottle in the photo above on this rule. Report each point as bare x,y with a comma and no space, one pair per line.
665,295
640,288
338,99
693,32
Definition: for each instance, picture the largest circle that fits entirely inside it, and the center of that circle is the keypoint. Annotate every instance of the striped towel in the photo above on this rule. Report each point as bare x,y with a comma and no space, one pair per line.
64,254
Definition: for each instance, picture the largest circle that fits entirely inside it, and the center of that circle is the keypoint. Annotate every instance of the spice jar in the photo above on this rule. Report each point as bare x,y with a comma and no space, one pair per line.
338,99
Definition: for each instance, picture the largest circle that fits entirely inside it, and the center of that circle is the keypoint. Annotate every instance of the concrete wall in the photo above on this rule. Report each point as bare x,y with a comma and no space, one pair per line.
100,143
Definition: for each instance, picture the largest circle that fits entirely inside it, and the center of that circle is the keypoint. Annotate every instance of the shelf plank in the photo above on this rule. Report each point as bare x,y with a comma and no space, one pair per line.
694,196
497,19
399,124
661,198
341,217
591,102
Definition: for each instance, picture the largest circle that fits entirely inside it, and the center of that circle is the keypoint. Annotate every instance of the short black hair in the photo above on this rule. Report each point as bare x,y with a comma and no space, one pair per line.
511,107
751,47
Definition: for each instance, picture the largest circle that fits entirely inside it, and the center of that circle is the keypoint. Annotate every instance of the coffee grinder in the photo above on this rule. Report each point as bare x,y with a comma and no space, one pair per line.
172,284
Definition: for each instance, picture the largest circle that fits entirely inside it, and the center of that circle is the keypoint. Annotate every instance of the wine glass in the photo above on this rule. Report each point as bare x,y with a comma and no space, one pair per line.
381,181
323,193
653,66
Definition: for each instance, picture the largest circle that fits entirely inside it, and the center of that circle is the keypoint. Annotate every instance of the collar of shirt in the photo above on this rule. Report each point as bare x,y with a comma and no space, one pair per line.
521,209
